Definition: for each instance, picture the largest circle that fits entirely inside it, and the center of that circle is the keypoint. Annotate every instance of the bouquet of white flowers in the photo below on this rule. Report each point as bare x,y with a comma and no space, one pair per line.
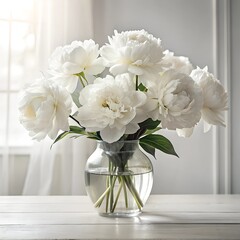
128,89
148,89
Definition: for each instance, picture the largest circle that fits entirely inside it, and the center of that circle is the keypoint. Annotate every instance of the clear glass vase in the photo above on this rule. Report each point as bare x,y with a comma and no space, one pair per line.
118,178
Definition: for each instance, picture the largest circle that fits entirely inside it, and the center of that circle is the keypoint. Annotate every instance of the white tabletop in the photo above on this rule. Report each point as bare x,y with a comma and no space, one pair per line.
164,217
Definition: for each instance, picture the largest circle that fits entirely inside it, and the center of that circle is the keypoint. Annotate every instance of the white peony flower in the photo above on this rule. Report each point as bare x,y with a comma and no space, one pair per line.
181,64
176,101
214,97
44,109
66,63
110,106
185,132
135,52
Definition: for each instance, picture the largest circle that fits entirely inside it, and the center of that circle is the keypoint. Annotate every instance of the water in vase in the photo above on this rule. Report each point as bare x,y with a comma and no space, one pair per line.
118,194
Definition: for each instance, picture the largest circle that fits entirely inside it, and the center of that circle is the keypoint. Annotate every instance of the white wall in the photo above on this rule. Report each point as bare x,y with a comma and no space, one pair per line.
235,82
201,30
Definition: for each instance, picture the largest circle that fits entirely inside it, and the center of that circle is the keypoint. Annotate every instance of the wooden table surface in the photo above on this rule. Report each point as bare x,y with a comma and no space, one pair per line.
164,217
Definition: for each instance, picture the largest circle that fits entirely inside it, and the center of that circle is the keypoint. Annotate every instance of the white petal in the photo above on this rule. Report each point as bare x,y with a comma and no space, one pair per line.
111,135
185,132
118,69
61,119
88,117
212,117
53,133
71,83
128,116
94,69
139,98
71,68
108,53
206,126
135,70
78,55
131,128
150,105
141,115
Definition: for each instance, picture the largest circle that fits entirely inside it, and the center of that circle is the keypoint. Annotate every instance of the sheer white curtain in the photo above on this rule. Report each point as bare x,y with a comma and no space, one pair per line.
17,66
61,169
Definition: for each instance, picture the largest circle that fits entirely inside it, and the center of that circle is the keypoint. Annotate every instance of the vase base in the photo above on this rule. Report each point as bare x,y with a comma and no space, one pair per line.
121,214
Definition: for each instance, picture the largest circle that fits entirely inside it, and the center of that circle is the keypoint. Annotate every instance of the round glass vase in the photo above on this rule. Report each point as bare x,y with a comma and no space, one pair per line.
118,178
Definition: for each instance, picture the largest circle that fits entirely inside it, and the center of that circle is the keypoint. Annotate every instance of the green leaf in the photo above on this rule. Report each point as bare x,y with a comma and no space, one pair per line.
159,142
93,136
142,88
76,129
148,148
76,136
73,129
150,131
79,130
149,124
59,137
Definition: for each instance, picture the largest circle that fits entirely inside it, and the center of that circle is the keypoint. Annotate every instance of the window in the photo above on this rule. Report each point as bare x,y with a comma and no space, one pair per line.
17,65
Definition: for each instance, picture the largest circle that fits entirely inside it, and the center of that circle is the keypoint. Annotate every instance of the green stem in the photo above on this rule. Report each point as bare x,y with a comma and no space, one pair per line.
116,200
109,193
133,191
82,77
101,198
125,192
74,119
112,184
107,196
136,82
82,82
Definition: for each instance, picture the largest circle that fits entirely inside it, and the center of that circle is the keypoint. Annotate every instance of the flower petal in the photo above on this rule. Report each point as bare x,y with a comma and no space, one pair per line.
94,69
118,69
135,70
111,135
78,55
212,117
71,68
131,128
185,132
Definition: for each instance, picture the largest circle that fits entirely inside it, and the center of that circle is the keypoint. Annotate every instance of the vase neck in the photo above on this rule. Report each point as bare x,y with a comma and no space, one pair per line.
120,146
